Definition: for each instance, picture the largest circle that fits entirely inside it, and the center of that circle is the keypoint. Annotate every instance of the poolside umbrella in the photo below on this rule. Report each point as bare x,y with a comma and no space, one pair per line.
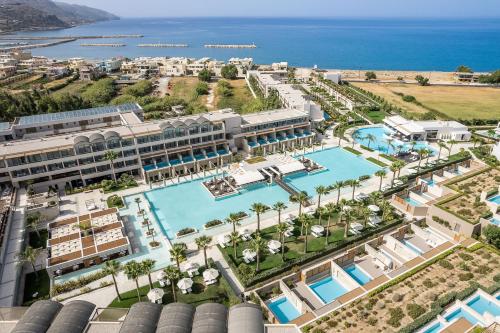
193,266
210,274
224,239
309,210
155,295
161,275
248,253
185,283
357,226
317,228
274,244
346,208
374,208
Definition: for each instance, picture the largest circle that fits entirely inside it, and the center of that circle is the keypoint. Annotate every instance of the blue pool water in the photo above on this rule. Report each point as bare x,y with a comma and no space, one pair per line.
381,135
357,274
328,289
191,205
413,202
434,328
412,247
495,221
461,313
340,165
481,304
284,310
495,199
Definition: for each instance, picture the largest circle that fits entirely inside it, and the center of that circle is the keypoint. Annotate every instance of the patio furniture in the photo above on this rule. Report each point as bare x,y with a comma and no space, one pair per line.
374,220
192,269
309,210
317,230
246,235
210,276
155,295
185,285
274,246
224,240
374,208
249,255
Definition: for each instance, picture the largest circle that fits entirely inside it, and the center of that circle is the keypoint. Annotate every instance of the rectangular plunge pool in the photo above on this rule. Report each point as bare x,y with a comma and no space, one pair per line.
284,310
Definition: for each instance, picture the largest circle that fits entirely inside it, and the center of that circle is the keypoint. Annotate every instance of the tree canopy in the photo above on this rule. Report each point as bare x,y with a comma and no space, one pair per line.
493,78
205,75
229,72
139,89
423,81
464,69
370,76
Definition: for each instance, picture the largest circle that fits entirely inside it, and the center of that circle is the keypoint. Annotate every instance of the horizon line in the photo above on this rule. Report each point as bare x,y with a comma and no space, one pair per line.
320,17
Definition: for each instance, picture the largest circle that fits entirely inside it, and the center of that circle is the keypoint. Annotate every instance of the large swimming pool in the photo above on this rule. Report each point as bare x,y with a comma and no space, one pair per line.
328,289
190,205
340,165
381,134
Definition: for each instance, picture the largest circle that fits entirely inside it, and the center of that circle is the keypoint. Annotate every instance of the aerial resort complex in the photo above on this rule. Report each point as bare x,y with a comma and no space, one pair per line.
179,194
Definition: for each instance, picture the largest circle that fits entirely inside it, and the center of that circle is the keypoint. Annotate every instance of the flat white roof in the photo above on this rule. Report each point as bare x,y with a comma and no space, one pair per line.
270,116
291,167
247,177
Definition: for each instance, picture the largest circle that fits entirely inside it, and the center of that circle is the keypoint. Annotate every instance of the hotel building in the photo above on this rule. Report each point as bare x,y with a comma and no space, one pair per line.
68,148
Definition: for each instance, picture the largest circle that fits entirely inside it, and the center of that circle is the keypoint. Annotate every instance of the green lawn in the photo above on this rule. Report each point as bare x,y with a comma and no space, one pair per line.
37,242
33,284
377,162
354,151
218,293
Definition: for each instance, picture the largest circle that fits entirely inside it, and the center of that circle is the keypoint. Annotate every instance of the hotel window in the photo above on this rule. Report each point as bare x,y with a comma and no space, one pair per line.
169,133
55,166
119,165
144,150
131,162
194,130
34,158
70,164
180,131
155,137
84,161
195,141
127,153
170,145
142,139
219,136
20,173
99,158
67,152
37,170
98,146
205,128
127,142
217,127
182,143
88,171
16,161
102,168
83,148
53,155
158,147
206,138
113,143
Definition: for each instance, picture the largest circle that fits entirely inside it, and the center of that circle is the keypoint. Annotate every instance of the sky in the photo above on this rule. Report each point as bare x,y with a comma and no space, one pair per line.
298,8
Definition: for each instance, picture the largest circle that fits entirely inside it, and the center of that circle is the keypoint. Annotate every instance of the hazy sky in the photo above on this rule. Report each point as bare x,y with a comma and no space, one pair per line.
349,8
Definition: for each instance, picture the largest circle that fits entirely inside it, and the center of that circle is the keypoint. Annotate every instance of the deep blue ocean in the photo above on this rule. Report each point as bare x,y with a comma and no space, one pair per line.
396,44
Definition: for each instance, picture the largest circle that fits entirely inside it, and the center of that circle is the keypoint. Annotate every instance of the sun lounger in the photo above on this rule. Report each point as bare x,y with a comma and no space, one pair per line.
354,231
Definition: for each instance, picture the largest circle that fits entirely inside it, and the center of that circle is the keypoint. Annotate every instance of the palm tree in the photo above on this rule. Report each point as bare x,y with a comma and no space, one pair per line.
364,213
301,198
281,229
370,138
113,267
173,274
234,237
338,185
84,227
203,242
32,221
399,165
375,197
421,153
451,143
380,173
386,208
279,207
330,208
321,212
30,255
138,202
321,190
178,252
257,245
394,169
258,208
306,224
347,216
356,136
413,144
134,271
390,144
147,268
234,219
111,156
441,146
354,183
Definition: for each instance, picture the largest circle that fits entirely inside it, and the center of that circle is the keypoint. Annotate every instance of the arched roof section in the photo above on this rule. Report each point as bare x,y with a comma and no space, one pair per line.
165,124
210,318
111,134
96,137
38,317
176,318
178,123
142,317
245,318
73,317
202,120
80,139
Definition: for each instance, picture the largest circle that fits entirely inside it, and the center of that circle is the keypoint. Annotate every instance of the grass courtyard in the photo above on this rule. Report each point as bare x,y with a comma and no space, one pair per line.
433,287
455,102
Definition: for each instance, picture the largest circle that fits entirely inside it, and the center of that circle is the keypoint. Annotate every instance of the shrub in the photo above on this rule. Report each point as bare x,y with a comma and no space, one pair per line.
372,321
465,256
115,201
397,297
396,314
185,231
229,72
445,264
213,223
414,310
332,323
483,269
428,283
201,88
409,98
465,276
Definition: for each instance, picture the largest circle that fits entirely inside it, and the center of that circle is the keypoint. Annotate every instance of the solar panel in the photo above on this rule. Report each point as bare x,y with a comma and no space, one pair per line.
48,117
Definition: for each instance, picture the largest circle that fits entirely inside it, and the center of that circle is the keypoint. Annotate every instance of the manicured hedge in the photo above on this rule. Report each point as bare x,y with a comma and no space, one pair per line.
377,162
354,151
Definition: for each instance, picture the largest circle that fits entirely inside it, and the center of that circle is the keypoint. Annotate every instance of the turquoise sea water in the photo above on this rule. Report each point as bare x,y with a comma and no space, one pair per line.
399,44
284,310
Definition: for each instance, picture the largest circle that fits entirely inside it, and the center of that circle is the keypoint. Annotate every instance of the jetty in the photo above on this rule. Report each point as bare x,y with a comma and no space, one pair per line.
162,45
66,37
104,44
231,46
36,46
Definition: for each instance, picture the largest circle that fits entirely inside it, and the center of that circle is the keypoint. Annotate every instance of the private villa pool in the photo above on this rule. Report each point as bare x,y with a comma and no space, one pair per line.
190,204
358,274
328,289
381,134
495,199
481,305
284,310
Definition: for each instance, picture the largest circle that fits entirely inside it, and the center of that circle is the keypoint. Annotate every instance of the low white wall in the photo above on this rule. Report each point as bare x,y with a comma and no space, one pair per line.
380,257
292,297
398,247
345,279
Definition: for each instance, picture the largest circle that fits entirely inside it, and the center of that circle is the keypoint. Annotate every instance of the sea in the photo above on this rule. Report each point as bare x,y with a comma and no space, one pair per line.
391,44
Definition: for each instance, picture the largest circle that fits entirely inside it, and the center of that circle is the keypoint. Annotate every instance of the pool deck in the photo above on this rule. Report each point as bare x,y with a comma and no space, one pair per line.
308,295
462,325
366,264
419,243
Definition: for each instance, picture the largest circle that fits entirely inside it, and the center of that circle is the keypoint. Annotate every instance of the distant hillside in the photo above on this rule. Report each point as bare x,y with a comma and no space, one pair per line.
46,14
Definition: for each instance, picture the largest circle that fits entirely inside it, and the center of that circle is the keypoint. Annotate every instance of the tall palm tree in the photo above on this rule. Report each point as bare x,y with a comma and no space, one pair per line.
234,219
354,183
258,208
203,242
364,213
134,271
173,274
322,211
386,208
330,209
375,197
113,267
338,185
30,255
32,221
281,229
399,165
301,198
451,143
111,156
370,138
356,136
394,169
380,173
178,252
321,190
257,245
234,237
147,268
389,144
347,214
138,202
307,224
441,146
421,153
279,207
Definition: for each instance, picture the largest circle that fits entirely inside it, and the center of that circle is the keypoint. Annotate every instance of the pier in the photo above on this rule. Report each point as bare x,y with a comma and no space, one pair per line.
36,46
66,37
104,44
231,46
163,45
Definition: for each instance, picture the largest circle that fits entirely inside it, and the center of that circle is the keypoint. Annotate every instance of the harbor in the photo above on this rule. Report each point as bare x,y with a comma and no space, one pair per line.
230,46
10,37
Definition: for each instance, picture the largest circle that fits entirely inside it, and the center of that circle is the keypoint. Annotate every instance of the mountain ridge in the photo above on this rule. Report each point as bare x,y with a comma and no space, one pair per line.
18,15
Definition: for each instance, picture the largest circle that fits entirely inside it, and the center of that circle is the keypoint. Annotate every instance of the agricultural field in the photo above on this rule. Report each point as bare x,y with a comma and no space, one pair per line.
454,102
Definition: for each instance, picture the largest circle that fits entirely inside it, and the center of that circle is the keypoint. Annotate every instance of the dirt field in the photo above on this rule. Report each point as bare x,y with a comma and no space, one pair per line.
455,102
372,314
